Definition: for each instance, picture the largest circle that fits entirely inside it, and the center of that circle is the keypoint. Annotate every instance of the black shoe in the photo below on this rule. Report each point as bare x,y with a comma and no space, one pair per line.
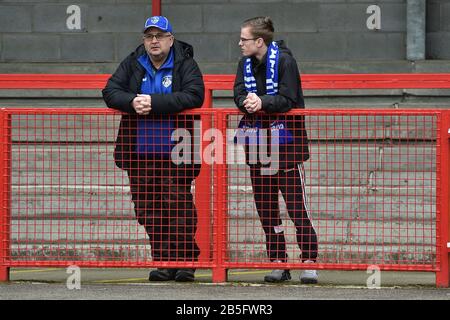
278,276
162,274
185,275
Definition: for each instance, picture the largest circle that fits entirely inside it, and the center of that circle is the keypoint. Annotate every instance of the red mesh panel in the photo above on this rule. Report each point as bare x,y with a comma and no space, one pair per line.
369,190
71,202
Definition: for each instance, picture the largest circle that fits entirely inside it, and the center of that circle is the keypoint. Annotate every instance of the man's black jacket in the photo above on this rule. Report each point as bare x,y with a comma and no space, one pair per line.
123,86
290,96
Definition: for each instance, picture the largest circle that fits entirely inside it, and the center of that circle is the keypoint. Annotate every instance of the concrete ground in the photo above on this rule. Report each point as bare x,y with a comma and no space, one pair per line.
126,284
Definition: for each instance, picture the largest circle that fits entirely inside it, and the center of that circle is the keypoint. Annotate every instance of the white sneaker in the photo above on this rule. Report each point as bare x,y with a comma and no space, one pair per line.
309,276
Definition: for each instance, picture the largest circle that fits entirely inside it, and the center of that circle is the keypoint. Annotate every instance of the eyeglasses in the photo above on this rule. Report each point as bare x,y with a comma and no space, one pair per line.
158,36
245,39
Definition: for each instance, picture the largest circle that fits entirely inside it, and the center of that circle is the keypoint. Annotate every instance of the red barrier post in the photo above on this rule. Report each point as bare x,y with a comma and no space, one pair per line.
442,276
219,273
203,190
5,194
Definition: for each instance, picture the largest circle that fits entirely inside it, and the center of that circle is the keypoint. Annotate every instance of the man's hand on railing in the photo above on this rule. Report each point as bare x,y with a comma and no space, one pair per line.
142,104
252,103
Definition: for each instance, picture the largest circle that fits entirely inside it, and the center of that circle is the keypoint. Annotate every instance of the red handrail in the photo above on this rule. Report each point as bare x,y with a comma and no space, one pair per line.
225,82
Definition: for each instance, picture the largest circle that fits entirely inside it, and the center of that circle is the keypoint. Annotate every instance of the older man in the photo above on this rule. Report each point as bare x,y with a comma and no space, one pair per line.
151,85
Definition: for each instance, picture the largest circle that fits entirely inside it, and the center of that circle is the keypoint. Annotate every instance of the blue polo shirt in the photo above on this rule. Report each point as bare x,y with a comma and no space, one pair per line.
154,132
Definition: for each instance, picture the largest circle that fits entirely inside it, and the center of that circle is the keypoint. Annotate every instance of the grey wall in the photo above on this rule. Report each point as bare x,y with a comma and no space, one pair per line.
324,31
438,29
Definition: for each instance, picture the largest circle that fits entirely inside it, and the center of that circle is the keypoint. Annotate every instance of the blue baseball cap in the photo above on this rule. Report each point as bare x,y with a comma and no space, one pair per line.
159,22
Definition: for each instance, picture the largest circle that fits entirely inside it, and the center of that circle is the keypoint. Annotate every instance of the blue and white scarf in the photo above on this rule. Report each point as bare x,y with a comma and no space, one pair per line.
273,54
246,127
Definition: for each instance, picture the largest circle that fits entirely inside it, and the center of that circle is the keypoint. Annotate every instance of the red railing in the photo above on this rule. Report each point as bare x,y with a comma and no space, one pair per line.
223,230
225,82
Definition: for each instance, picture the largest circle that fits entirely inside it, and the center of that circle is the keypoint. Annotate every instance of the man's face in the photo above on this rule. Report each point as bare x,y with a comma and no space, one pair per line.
157,42
248,43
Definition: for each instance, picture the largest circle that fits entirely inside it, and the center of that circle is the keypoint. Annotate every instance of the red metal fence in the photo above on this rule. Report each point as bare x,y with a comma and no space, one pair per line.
376,189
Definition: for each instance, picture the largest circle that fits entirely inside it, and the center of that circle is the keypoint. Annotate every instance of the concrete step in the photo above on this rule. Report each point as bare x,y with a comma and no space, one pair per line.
325,202
363,232
240,231
339,253
103,128
242,253
338,160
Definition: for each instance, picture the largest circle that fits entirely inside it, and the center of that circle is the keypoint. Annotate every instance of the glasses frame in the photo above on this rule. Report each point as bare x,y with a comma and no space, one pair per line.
158,36
245,39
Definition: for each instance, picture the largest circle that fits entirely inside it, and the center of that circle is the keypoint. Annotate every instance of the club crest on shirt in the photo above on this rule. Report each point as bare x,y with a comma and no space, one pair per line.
167,81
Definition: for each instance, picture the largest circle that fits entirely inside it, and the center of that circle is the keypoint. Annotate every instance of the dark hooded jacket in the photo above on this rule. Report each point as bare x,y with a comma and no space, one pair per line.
289,96
187,92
